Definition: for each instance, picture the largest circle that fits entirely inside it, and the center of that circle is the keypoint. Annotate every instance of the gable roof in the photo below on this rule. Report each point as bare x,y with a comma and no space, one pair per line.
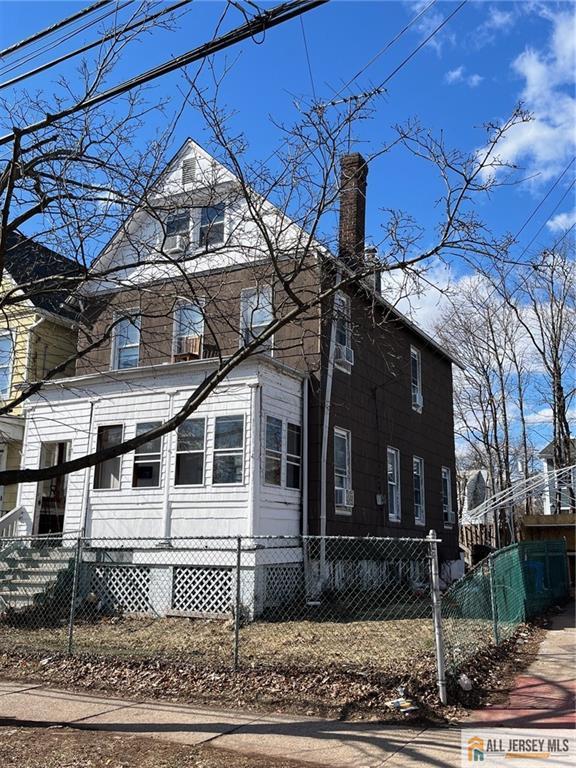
26,261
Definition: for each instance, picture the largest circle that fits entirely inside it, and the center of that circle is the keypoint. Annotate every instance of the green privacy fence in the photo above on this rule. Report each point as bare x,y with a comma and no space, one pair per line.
504,590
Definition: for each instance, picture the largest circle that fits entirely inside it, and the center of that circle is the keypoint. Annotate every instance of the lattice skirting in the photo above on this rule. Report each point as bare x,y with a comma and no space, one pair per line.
198,589
283,584
121,587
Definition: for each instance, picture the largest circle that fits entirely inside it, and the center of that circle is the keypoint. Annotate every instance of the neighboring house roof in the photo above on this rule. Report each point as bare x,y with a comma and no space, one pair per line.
548,451
26,261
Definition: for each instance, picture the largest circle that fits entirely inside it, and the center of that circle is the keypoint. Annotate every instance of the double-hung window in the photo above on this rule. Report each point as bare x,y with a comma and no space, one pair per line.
107,472
273,453
418,482
343,354
177,231
147,458
293,455
212,225
447,509
228,459
343,494
188,330
6,357
416,379
256,313
126,344
190,451
394,503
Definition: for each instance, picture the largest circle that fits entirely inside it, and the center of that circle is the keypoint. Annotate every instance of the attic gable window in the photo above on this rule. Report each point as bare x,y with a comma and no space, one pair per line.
416,379
6,355
177,223
212,225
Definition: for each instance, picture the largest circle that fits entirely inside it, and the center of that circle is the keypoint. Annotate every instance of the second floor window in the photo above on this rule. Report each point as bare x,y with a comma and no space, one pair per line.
6,356
107,472
416,379
126,344
256,313
188,330
147,458
393,484
212,225
418,480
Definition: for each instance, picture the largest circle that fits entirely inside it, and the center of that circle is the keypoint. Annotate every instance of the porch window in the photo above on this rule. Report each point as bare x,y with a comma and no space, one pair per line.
416,379
256,314
418,480
107,472
188,331
126,343
228,461
6,355
447,496
273,457
293,456
212,225
190,450
394,505
147,458
343,495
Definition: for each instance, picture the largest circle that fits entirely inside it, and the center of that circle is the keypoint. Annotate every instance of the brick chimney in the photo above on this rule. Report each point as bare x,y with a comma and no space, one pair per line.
352,229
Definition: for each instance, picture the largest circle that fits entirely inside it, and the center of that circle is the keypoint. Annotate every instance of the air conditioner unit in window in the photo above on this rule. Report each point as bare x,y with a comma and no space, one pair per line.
189,348
175,244
344,497
344,354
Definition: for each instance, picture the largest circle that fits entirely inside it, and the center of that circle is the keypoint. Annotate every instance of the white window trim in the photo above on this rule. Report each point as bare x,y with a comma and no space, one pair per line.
395,515
342,296
287,455
198,227
177,486
217,451
345,433
10,367
121,457
200,304
124,315
284,455
245,291
416,397
160,460
420,519
447,510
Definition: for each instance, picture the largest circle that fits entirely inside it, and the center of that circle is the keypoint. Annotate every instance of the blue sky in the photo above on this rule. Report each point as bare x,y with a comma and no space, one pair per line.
489,56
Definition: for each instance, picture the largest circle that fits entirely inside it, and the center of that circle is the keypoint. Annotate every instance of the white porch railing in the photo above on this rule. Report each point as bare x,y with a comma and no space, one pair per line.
9,523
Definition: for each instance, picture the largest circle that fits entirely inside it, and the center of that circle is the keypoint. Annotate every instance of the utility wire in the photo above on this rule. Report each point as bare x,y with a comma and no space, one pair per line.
89,46
53,28
308,58
68,35
558,204
260,23
543,200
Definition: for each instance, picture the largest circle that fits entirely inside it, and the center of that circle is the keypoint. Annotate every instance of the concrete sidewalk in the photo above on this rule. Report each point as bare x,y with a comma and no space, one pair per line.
303,739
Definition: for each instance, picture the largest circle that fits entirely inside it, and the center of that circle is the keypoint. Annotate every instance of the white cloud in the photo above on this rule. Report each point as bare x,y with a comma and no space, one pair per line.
458,76
562,221
543,145
545,416
428,23
499,19
474,80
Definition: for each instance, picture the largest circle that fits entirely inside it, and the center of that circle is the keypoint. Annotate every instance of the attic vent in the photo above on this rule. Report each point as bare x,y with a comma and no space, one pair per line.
189,171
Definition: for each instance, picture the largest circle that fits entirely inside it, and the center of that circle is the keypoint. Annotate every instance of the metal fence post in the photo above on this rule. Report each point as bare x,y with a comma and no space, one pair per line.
76,577
237,606
493,603
437,617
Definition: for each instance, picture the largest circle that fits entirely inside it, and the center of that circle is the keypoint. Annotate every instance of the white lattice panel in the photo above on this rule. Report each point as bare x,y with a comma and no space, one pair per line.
202,590
127,587
284,583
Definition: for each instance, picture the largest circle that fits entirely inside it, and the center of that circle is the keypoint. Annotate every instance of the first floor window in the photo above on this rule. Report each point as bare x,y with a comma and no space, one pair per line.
293,456
228,460
107,472
418,479
147,458
190,449
273,456
6,354
447,496
256,313
393,484
342,469
127,342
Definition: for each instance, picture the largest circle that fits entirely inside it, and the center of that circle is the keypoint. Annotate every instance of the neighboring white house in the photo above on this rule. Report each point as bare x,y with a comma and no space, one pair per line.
560,491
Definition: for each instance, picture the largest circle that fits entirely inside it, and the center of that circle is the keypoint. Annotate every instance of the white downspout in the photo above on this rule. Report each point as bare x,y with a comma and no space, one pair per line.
86,487
325,440
166,508
305,457
254,487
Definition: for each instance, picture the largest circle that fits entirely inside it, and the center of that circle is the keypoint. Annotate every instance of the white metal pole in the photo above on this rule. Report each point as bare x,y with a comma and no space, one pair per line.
437,617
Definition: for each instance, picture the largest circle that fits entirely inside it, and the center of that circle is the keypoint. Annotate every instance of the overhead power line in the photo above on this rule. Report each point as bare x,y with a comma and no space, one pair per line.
111,35
48,30
260,23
